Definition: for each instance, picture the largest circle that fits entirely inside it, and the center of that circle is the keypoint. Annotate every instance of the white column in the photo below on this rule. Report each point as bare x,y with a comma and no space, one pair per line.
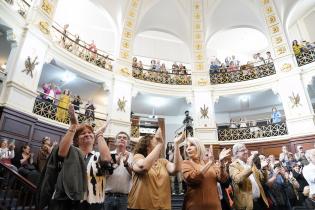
298,110
119,106
284,58
26,59
204,117
123,61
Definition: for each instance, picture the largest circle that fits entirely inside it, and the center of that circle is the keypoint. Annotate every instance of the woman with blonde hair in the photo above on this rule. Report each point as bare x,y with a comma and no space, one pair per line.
202,177
150,179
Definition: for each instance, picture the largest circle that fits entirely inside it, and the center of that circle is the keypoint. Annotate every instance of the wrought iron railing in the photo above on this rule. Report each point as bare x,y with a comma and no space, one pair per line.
277,129
16,192
81,49
52,111
21,6
306,57
161,77
135,132
246,72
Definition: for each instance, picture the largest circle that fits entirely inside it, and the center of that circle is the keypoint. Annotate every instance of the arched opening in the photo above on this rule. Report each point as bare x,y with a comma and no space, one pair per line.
89,22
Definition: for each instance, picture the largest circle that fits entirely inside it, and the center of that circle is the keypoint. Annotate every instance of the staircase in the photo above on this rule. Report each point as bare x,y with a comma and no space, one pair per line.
16,192
177,202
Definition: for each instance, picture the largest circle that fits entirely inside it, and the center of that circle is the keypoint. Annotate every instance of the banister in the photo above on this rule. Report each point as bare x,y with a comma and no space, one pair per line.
23,180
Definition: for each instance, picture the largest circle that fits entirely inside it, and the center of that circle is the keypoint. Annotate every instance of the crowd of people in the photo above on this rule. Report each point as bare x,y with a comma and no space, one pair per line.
299,48
51,94
275,118
82,172
157,66
232,64
88,52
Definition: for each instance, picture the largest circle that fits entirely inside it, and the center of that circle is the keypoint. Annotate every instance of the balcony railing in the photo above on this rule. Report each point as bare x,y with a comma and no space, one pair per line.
135,132
81,49
52,111
16,192
306,57
21,6
246,72
161,77
253,132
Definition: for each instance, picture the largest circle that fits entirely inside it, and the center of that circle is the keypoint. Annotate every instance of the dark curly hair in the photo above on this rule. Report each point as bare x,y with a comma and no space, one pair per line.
142,145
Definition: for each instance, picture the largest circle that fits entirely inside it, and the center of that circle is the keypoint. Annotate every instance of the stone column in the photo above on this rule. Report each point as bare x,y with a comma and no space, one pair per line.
295,101
203,106
124,57
26,59
204,118
119,106
294,97
284,59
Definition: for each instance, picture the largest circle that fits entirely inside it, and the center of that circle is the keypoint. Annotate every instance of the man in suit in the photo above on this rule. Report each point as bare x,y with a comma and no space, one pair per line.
247,180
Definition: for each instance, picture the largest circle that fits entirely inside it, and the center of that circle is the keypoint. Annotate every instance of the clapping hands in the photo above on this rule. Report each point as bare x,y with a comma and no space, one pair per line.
179,139
224,154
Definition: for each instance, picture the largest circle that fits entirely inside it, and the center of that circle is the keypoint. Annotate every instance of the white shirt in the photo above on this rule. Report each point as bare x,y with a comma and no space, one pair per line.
5,153
120,180
219,191
309,175
255,187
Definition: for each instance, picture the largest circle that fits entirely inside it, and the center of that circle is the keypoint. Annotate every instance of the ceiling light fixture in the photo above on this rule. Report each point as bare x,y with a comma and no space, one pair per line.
68,77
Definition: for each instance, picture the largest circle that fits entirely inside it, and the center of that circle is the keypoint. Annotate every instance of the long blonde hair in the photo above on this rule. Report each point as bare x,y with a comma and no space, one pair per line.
201,150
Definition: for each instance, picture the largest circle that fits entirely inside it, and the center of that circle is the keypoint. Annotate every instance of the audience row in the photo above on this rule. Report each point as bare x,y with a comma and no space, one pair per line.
116,178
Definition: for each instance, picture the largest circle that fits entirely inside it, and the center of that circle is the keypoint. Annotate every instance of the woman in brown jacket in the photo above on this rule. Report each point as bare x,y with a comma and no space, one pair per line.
202,177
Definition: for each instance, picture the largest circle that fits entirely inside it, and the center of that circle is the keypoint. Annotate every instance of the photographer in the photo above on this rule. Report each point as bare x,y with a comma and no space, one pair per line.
188,124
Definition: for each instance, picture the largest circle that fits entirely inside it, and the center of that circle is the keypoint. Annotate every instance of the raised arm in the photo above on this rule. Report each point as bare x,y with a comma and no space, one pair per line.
176,166
144,165
223,174
102,145
67,139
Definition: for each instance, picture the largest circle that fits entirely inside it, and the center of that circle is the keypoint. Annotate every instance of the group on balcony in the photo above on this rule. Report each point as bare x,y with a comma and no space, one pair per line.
87,52
157,72
231,64
50,94
299,48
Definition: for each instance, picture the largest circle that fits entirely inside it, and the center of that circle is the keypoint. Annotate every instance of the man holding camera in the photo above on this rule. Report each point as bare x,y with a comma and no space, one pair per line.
188,123
119,182
247,180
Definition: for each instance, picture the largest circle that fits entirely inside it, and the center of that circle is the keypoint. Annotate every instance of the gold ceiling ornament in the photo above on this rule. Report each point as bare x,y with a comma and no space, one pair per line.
275,29
281,50
30,65
204,112
121,104
125,72
44,27
47,7
295,100
286,67
202,82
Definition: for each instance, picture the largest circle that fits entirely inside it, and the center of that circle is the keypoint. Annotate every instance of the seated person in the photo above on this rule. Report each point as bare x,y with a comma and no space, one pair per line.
24,162
7,153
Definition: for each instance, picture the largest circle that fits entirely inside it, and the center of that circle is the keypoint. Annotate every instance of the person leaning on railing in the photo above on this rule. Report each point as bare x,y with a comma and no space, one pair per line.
74,177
